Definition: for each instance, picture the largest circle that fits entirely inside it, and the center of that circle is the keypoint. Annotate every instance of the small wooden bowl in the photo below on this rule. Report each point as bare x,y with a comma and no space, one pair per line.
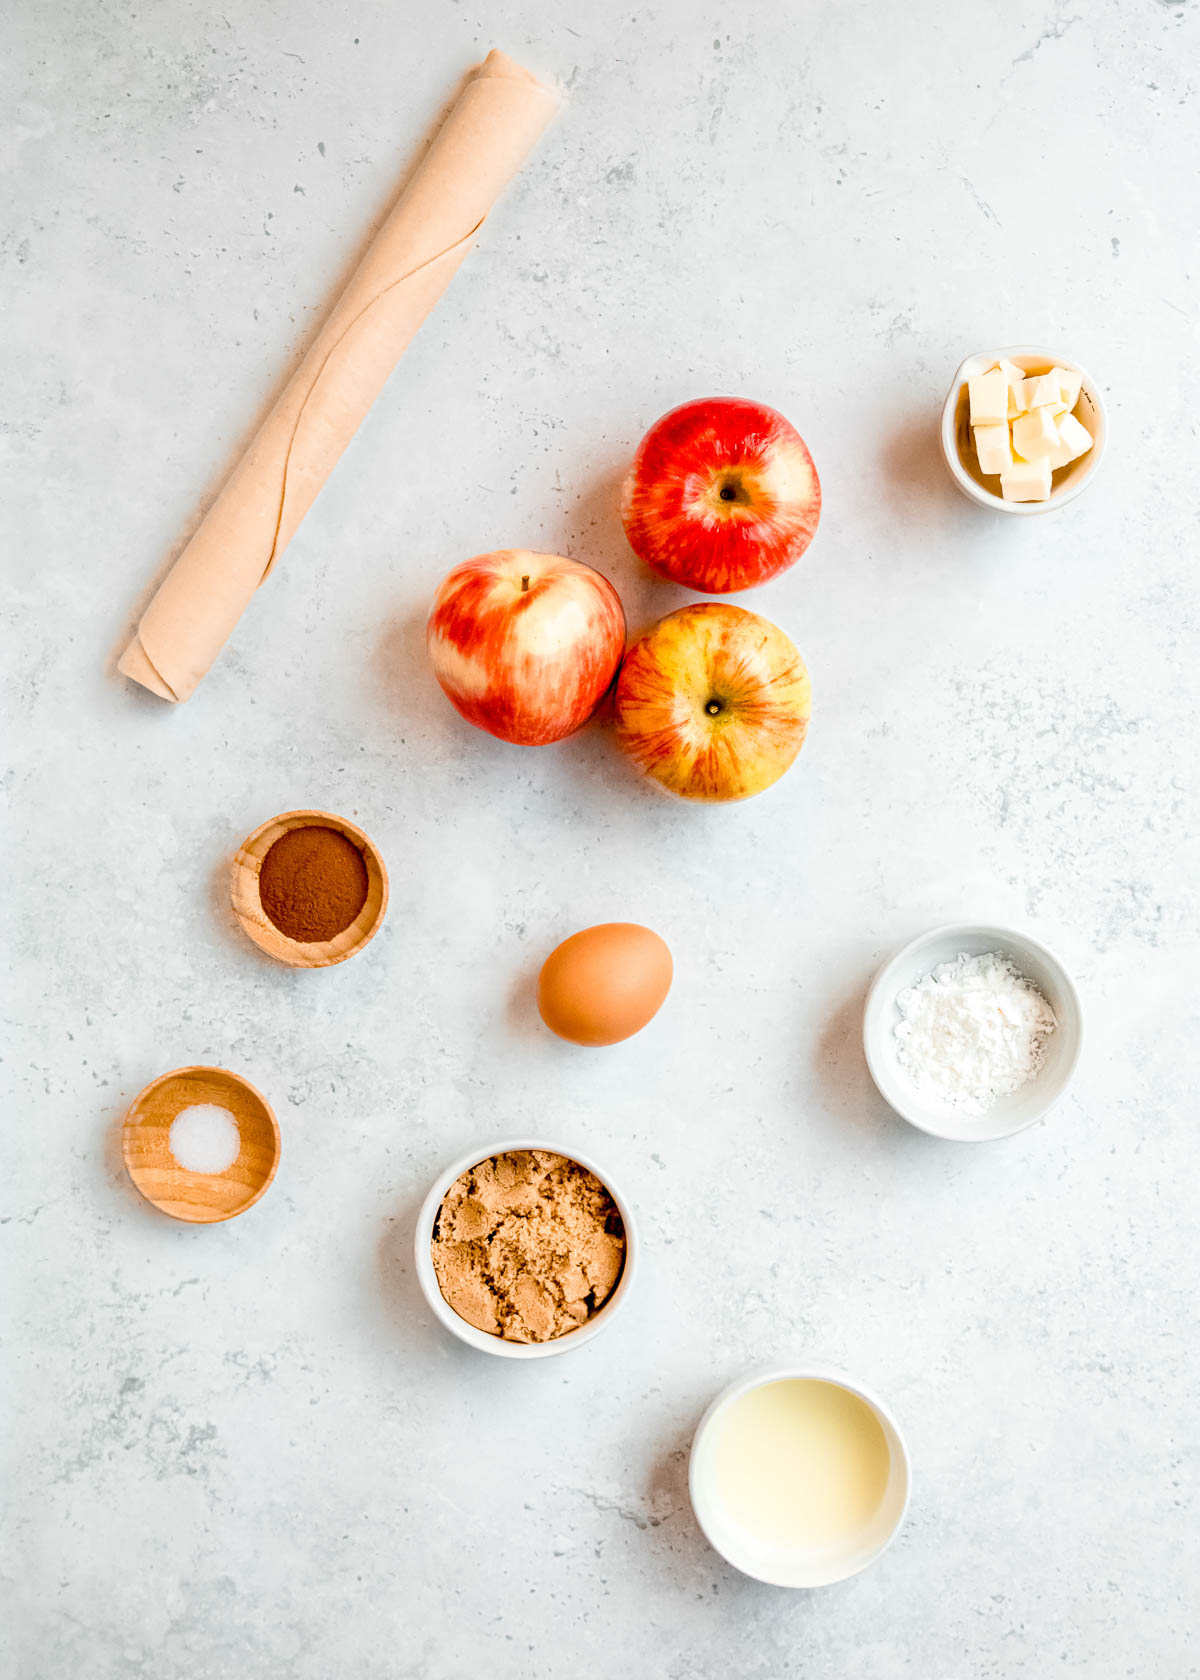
200,1198
258,925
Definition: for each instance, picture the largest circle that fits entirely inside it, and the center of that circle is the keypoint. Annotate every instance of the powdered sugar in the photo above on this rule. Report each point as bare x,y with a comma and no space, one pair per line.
973,1031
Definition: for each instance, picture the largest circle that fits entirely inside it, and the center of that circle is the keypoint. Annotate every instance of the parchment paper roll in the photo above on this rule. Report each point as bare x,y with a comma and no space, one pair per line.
487,136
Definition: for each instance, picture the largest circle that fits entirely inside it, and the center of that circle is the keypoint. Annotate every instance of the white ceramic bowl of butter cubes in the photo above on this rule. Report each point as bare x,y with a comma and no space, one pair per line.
1023,430
976,1030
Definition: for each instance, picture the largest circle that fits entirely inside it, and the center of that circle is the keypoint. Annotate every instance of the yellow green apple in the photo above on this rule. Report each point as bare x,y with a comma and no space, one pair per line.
713,702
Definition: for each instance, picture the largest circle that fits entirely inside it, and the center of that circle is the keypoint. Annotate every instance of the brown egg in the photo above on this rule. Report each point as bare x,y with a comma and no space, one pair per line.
604,984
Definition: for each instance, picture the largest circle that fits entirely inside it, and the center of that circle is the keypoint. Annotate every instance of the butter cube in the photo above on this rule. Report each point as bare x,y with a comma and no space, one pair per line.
1026,481
989,398
1074,437
993,447
1070,384
1043,391
1016,398
1059,455
1011,371
1035,435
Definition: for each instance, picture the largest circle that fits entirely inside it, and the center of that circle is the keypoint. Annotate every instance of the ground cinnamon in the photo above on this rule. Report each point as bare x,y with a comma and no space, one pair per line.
313,883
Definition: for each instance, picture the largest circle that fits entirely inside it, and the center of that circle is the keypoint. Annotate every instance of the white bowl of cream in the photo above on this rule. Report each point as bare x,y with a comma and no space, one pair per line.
798,1476
943,1097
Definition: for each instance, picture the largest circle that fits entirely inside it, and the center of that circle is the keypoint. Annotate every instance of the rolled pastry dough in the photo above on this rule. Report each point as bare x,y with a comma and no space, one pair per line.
487,136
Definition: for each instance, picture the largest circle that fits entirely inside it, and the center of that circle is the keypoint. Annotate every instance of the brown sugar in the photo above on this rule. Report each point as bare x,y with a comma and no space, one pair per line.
528,1245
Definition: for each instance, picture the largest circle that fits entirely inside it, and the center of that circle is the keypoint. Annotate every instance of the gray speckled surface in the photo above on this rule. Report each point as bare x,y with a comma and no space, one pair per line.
248,1451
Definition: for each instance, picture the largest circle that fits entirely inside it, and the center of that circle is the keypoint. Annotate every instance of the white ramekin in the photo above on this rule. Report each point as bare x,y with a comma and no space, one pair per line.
1072,481
782,1566
1009,1114
445,1313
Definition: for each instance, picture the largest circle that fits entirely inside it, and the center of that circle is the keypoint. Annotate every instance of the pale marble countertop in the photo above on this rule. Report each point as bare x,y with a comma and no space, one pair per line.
248,1451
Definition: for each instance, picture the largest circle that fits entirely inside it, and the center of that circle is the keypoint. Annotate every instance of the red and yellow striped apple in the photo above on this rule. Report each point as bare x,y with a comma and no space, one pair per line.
713,702
722,495
526,645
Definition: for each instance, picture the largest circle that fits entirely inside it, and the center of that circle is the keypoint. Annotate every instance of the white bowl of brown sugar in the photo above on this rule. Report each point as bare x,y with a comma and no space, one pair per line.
525,1248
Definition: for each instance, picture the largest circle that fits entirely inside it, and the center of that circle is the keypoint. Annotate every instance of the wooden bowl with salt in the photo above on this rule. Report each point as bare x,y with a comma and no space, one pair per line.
275,940
201,1197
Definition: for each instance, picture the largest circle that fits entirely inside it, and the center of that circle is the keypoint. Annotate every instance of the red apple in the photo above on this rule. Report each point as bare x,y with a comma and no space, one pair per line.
713,702
722,495
526,645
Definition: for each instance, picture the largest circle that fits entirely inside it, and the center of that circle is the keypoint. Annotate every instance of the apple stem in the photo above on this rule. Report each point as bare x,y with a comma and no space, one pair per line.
524,584
713,708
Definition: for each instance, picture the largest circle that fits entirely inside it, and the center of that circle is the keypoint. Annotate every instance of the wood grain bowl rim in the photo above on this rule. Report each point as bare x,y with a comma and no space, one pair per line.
137,1172
257,925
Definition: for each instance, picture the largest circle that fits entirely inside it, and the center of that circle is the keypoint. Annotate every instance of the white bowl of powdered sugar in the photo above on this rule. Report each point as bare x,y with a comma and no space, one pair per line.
972,1032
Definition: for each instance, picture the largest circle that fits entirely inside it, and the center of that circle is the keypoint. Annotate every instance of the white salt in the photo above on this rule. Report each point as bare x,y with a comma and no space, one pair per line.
205,1138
